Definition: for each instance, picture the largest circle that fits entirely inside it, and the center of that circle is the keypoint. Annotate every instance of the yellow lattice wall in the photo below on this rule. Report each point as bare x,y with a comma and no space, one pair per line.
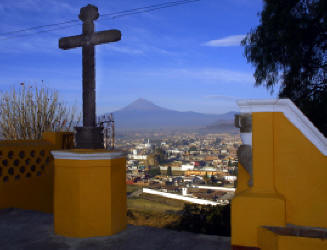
26,171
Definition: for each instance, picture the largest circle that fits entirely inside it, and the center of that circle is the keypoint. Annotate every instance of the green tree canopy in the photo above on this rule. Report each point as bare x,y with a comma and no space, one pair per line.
288,49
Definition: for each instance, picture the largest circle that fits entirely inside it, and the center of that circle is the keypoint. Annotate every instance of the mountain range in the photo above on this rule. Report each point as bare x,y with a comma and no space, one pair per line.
144,114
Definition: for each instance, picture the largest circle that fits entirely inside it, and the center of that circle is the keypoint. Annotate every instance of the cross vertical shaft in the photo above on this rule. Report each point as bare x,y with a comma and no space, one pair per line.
88,60
89,108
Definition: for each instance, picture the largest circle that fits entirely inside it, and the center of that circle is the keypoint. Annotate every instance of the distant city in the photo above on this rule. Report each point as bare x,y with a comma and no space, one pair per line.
196,163
191,166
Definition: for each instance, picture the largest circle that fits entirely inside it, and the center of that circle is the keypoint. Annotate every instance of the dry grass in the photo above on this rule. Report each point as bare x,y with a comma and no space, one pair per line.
153,219
132,188
143,212
152,206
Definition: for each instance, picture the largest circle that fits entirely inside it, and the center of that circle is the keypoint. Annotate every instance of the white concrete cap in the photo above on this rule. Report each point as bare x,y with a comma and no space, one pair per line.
292,113
246,138
71,155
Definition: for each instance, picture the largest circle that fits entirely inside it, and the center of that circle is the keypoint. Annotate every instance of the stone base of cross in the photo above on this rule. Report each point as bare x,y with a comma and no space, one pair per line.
89,136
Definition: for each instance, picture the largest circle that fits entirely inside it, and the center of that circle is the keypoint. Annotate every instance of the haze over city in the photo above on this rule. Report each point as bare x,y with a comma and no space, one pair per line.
184,58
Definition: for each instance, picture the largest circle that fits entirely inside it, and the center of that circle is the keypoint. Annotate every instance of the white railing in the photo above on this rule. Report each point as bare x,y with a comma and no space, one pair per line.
184,198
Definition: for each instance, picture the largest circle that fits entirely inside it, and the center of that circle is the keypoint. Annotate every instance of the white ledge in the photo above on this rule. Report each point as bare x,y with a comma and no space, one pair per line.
292,113
69,155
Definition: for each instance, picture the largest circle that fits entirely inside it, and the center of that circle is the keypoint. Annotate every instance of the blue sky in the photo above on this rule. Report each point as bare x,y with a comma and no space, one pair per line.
183,58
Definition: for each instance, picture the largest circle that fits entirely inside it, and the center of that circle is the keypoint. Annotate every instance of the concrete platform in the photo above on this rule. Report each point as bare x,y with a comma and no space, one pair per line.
30,230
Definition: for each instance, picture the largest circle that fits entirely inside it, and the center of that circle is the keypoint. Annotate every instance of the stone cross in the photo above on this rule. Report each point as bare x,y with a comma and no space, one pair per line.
89,136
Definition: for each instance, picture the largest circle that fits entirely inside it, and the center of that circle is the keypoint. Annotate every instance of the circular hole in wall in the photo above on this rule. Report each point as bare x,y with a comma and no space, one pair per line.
16,162
0,171
17,177
5,178
38,160
42,153
11,171
33,168
22,169
38,173
28,175
32,153
5,162
21,154
27,161
10,154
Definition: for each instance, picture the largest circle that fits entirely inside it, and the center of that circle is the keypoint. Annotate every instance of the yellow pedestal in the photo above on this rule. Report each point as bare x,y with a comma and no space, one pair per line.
89,193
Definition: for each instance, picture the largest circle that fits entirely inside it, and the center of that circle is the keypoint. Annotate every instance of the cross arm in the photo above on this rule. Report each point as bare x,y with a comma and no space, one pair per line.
95,39
106,36
71,42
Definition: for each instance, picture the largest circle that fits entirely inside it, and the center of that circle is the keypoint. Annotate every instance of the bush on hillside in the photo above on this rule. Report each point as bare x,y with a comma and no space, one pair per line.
207,219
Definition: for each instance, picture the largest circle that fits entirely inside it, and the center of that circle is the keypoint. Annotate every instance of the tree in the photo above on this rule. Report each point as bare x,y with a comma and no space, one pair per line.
212,179
154,171
214,220
160,155
206,178
29,111
169,172
288,49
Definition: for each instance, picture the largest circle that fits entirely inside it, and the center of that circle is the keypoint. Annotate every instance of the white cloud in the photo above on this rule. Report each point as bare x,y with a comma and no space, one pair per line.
227,41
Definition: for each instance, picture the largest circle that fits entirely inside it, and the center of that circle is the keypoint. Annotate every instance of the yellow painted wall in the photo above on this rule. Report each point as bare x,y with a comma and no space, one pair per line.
301,175
26,174
242,180
289,181
90,197
260,204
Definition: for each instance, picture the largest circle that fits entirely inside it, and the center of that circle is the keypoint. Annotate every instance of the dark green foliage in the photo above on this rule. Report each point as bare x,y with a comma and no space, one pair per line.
169,172
160,156
154,171
208,219
212,179
289,49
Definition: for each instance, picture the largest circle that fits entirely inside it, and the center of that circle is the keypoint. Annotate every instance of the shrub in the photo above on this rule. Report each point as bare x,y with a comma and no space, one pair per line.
205,219
29,111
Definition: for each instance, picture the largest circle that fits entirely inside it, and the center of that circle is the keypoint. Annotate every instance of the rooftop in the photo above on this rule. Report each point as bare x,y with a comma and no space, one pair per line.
25,229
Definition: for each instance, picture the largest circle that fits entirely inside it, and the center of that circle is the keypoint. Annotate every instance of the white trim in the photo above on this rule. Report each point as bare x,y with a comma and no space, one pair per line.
215,188
292,113
246,138
69,155
180,197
